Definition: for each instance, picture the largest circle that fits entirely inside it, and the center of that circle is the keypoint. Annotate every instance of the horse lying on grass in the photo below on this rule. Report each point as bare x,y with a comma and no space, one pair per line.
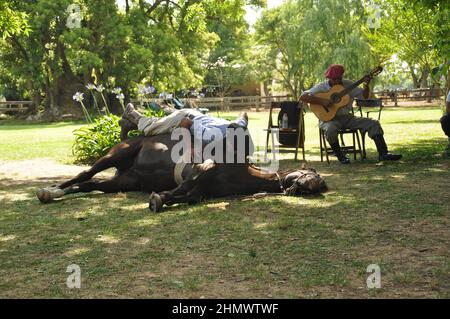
145,164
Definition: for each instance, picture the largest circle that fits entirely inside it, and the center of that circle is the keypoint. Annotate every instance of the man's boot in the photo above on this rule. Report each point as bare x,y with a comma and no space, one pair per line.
382,149
132,115
340,156
125,126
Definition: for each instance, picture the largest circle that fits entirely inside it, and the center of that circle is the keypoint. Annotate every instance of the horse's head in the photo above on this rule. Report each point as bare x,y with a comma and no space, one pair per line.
304,182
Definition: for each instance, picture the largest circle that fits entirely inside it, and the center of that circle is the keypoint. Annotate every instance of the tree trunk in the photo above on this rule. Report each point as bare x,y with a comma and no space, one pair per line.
35,98
424,77
414,77
64,86
266,87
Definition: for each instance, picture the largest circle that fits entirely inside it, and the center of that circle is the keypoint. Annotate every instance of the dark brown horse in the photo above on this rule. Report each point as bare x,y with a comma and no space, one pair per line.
145,164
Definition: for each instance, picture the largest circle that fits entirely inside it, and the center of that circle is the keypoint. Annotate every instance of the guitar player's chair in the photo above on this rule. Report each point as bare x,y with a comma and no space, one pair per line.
354,148
291,138
374,106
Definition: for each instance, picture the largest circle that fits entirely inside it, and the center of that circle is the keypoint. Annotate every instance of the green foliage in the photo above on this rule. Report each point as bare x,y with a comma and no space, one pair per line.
165,43
229,62
12,22
94,141
410,30
299,39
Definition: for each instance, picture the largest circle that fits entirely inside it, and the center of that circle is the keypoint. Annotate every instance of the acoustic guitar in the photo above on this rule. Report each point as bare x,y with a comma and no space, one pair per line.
339,97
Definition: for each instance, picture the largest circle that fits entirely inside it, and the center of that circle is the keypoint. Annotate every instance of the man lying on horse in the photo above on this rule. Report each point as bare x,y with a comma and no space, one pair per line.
206,132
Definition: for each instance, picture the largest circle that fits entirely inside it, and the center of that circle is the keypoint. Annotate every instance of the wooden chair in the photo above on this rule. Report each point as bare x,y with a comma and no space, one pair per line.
354,148
375,106
290,139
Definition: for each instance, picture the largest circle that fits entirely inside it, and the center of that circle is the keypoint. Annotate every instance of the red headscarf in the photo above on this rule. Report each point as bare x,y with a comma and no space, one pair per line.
334,71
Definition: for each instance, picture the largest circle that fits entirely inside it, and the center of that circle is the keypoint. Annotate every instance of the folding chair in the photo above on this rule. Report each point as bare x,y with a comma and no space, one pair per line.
291,138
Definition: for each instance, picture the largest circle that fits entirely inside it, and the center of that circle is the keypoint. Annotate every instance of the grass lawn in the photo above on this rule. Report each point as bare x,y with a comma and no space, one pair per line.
395,215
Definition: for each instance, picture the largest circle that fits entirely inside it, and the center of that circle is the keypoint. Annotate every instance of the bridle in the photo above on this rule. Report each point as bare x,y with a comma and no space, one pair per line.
297,188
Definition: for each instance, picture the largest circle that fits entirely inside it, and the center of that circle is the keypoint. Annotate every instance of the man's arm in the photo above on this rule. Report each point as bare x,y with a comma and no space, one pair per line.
186,123
366,88
309,98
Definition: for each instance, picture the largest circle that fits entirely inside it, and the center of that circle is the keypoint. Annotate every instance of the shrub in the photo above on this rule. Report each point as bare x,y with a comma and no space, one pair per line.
95,140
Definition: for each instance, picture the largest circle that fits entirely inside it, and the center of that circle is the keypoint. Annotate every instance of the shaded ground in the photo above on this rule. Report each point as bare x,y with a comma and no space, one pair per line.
396,216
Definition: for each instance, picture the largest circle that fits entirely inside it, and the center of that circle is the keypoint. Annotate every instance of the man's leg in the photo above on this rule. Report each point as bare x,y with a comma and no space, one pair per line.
242,120
445,123
375,132
132,114
137,118
330,130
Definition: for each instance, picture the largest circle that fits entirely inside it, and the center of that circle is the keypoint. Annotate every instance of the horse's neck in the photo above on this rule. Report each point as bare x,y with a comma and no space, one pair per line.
268,182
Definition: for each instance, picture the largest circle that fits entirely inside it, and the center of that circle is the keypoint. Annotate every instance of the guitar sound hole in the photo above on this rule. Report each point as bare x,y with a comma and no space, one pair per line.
335,98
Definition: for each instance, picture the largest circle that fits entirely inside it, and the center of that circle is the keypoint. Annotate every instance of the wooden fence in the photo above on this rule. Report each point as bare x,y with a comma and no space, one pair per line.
395,96
14,106
227,103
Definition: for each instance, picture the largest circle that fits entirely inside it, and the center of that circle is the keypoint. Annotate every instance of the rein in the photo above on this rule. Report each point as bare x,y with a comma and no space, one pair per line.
281,184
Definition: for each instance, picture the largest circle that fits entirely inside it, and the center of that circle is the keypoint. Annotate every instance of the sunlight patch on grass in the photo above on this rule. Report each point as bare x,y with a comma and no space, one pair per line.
135,207
147,221
15,196
143,241
76,251
260,225
218,206
399,176
4,238
107,239
437,170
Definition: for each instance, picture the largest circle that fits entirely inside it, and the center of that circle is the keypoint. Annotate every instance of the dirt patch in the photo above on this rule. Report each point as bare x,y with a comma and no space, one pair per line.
41,170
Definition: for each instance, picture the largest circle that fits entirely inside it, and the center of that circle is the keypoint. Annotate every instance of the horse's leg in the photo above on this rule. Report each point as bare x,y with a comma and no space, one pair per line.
126,182
119,156
187,192
158,200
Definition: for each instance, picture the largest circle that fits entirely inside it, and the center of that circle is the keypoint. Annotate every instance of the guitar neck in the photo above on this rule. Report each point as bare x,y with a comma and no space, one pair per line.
351,87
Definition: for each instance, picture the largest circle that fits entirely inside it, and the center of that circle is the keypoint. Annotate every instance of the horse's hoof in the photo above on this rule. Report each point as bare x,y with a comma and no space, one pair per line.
44,195
155,203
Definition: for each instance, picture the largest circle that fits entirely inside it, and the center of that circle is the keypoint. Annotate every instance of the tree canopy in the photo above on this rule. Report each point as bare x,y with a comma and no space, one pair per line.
51,49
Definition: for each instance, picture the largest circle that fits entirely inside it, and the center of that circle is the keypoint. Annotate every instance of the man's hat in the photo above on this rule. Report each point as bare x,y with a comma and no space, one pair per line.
334,71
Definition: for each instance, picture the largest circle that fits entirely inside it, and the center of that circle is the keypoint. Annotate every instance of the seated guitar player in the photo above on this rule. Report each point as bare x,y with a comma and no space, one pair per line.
344,118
